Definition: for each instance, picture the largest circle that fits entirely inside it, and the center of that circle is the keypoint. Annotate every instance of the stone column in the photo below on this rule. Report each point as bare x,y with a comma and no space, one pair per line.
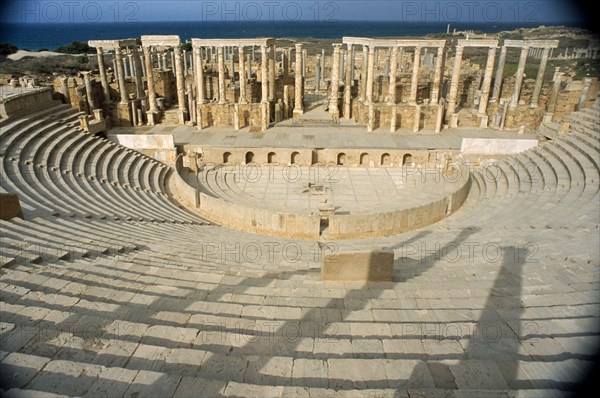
323,64
272,73
185,63
499,74
231,68
363,74
342,59
335,81
103,78
370,75
304,57
487,81
139,83
584,93
519,81
285,64
199,77
130,64
348,83
126,65
437,77
151,90
64,87
318,73
415,76
351,55
180,82
143,65
242,99
417,119
221,60
248,67
121,75
88,90
264,74
555,90
298,82
539,80
454,82
391,100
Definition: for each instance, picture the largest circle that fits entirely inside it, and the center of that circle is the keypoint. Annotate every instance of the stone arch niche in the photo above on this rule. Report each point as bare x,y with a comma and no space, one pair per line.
407,159
385,159
364,159
295,157
249,157
341,159
272,157
226,157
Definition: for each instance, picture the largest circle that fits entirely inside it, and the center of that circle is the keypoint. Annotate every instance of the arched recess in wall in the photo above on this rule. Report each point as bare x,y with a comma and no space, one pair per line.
341,159
249,157
385,159
364,159
407,159
295,157
272,157
226,157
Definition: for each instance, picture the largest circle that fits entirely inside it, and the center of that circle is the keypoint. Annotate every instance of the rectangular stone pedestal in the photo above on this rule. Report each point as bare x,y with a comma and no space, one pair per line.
454,120
483,121
372,265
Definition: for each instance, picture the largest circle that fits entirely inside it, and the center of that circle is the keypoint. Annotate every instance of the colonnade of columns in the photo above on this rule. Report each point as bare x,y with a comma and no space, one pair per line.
128,61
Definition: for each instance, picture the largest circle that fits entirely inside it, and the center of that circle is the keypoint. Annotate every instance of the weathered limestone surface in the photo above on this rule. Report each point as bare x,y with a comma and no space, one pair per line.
374,265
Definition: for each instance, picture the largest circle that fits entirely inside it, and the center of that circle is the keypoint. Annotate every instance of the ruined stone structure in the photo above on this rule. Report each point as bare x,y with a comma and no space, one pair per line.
380,83
326,251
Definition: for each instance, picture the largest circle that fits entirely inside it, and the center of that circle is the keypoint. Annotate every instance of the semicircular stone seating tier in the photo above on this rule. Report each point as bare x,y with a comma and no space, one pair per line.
499,299
57,169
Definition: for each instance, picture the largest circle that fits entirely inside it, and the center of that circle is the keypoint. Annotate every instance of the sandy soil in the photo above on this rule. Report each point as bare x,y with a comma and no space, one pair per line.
37,54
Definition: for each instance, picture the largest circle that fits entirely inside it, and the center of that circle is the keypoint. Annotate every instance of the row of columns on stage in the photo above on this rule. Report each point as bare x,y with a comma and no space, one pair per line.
366,83
495,96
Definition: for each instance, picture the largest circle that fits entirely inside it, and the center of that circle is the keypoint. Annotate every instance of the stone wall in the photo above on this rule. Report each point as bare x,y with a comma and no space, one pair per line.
26,102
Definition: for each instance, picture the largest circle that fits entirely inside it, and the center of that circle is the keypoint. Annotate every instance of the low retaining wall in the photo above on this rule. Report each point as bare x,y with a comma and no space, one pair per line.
25,102
357,226
157,146
495,146
186,192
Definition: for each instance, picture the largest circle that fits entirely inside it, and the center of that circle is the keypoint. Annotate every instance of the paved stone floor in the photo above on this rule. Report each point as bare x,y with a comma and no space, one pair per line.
350,190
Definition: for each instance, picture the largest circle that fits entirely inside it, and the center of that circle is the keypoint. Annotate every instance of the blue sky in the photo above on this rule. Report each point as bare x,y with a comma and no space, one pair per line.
511,11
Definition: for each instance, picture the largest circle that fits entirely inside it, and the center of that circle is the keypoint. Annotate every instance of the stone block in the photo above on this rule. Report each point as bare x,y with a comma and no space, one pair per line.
372,265
10,206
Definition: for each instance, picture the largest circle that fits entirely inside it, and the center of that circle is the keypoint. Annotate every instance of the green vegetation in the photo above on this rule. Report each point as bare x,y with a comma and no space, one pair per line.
83,59
186,47
7,49
76,47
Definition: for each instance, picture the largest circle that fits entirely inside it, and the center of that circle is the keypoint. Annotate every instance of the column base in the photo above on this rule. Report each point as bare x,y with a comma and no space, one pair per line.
483,121
371,118
439,117
182,116
548,116
454,120
298,112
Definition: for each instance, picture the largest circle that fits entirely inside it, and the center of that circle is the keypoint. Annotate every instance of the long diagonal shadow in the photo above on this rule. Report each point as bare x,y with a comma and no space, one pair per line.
318,331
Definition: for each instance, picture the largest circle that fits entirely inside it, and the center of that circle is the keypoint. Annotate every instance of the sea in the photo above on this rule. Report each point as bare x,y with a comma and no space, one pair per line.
36,36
